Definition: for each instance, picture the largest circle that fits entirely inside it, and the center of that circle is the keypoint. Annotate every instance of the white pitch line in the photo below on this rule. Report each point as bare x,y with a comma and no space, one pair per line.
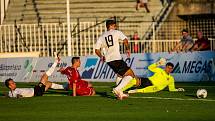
182,86
164,98
198,86
159,98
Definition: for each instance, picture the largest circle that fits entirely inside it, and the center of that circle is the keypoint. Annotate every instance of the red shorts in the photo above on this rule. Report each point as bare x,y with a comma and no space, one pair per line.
83,89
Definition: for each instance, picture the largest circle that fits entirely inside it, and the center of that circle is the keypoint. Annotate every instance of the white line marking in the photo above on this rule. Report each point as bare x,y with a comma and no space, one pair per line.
159,98
181,86
164,98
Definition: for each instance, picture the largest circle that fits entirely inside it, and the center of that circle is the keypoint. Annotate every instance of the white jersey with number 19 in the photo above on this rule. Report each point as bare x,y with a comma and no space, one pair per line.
110,41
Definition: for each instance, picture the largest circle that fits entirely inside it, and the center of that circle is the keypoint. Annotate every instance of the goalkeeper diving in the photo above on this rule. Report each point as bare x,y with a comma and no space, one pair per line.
157,82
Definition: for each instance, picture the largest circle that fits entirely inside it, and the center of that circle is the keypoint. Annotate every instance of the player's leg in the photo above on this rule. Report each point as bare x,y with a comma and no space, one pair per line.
132,83
44,78
125,81
85,91
149,89
146,86
84,88
120,67
118,79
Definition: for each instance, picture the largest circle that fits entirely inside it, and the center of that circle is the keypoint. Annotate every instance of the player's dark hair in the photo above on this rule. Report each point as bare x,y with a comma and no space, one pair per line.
170,64
74,59
7,82
110,22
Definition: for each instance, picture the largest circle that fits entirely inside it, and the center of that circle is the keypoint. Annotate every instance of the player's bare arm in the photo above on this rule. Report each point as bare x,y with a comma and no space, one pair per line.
61,70
98,53
125,42
74,88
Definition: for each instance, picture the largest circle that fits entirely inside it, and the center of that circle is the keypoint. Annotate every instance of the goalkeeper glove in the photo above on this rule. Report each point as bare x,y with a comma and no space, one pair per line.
161,62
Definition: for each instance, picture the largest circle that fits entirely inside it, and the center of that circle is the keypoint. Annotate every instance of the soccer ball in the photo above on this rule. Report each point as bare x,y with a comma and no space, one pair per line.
201,93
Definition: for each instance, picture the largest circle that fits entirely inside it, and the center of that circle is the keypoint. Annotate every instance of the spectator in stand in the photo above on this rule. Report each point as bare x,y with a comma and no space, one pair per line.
135,38
202,43
186,42
142,3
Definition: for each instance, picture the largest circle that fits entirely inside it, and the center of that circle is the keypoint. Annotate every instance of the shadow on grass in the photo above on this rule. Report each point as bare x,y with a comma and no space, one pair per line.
106,95
61,92
191,95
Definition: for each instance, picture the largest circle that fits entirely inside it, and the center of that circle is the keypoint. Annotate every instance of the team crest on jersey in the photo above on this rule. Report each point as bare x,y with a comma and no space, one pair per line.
89,68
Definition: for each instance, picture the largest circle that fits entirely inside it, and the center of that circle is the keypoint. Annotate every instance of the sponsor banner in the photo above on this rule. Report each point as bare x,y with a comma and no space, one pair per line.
17,68
195,66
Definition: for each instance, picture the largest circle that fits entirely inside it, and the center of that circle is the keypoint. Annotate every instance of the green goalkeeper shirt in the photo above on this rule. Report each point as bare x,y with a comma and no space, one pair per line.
161,79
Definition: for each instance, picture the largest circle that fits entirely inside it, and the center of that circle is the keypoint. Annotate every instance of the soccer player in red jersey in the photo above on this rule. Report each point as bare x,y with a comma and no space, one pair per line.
80,87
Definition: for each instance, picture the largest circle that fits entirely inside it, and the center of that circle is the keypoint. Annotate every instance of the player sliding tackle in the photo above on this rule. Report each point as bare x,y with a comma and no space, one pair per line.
110,41
38,90
156,82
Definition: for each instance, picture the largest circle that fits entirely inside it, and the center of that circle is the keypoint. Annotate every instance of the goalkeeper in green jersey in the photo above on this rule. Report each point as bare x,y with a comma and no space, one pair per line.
157,82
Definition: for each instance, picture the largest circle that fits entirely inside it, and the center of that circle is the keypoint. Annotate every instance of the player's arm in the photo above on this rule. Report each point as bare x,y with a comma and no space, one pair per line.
74,88
61,70
154,67
127,48
98,49
98,53
172,86
125,42
14,95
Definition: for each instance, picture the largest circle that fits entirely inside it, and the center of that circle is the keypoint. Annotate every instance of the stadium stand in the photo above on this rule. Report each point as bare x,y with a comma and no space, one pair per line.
53,11
41,12
41,25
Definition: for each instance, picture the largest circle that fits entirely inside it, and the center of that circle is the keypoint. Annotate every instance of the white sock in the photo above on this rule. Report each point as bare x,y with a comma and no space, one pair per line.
57,86
51,70
118,80
124,82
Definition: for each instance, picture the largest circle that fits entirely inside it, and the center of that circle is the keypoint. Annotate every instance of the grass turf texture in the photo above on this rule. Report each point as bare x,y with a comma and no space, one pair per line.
163,106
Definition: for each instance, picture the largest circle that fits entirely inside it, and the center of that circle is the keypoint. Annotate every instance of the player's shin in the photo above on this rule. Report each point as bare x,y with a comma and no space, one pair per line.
149,89
123,83
118,80
57,86
130,84
51,70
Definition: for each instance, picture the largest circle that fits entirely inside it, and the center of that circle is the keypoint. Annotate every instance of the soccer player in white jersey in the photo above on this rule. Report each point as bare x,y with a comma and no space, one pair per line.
38,90
109,41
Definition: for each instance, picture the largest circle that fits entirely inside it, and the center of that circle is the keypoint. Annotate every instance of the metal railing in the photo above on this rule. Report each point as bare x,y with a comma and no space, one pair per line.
3,8
50,38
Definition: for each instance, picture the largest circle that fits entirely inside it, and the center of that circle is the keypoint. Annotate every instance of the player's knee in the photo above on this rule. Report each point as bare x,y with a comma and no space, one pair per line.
129,73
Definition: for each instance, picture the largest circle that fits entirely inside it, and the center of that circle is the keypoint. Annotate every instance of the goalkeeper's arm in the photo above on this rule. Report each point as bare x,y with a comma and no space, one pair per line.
154,67
172,86
161,62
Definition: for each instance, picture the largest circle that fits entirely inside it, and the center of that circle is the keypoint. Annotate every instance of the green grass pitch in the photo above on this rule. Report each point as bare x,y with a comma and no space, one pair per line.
161,106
